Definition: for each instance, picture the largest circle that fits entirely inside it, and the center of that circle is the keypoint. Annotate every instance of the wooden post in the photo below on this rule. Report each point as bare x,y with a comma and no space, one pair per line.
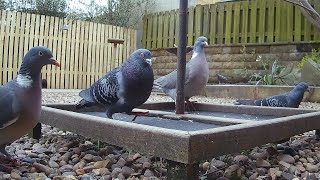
181,64
182,171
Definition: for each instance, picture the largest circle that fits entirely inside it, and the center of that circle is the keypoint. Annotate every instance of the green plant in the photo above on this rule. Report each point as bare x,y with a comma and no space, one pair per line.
277,75
315,56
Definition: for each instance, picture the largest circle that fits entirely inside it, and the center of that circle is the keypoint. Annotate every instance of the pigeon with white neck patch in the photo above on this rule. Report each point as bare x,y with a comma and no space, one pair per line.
124,88
196,78
290,99
20,99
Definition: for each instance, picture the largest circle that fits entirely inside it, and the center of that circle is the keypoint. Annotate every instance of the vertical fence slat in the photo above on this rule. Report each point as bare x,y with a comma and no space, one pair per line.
6,48
54,51
176,28
110,48
213,23
298,25
289,31
11,46
245,24
36,31
190,26
72,54
227,31
21,40
160,31
165,29
41,40
64,48
220,23
98,72
76,55
154,31
198,21
16,44
270,33
253,21
2,44
101,53
59,80
171,28
149,31
206,23
261,22
93,58
283,21
81,84
89,55
144,31
236,25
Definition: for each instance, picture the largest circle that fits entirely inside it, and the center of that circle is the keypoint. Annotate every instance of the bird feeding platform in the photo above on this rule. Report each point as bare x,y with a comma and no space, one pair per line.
185,140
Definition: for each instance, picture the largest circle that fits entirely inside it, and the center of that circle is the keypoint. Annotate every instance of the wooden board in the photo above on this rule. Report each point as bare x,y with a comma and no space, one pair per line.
184,146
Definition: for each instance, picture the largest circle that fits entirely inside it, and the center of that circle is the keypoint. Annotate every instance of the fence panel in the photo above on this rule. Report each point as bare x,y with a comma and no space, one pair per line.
81,47
255,21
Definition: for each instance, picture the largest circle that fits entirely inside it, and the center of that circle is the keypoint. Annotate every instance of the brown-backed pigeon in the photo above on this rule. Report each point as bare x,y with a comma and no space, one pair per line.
124,88
20,99
291,99
196,78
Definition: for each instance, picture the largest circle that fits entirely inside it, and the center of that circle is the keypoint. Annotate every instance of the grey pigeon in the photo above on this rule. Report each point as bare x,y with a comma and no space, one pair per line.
124,88
20,99
291,99
221,78
197,74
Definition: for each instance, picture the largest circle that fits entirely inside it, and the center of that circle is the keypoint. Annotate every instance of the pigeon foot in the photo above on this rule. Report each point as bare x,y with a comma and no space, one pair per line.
190,106
136,114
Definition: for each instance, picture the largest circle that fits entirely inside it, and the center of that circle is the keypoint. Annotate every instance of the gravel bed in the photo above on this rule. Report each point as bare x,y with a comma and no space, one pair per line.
63,155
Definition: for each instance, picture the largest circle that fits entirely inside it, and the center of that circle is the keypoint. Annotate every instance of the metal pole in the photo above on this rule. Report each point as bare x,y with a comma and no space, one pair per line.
181,69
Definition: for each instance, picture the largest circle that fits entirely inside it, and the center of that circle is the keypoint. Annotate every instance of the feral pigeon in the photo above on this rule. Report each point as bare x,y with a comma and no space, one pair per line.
291,99
124,88
196,78
221,78
20,99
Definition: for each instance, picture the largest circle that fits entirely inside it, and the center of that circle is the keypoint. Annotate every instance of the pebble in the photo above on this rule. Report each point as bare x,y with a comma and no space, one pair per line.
311,167
88,157
42,168
217,163
15,175
262,163
53,164
286,158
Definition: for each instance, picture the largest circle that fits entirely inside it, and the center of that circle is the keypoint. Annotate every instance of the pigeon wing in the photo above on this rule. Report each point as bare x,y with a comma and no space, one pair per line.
105,90
277,101
8,106
169,81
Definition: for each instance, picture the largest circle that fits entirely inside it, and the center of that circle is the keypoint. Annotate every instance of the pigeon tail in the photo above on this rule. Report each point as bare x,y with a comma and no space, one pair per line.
244,102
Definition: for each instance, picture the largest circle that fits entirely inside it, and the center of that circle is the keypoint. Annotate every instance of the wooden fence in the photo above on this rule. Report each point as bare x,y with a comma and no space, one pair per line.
255,21
81,47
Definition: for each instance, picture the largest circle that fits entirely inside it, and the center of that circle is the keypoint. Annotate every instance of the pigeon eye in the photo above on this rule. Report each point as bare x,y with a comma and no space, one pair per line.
142,55
40,53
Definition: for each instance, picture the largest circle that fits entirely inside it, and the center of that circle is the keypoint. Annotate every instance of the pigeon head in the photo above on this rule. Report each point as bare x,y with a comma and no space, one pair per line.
200,43
35,59
143,55
302,87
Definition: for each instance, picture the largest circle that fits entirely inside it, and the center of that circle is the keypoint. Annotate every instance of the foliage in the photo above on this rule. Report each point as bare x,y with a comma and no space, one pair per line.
277,75
57,8
125,13
315,56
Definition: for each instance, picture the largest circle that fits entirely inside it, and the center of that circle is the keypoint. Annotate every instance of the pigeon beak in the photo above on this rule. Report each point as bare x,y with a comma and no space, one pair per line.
206,44
149,61
54,61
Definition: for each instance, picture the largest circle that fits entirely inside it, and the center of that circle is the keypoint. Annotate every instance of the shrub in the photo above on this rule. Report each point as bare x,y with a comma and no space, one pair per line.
315,56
